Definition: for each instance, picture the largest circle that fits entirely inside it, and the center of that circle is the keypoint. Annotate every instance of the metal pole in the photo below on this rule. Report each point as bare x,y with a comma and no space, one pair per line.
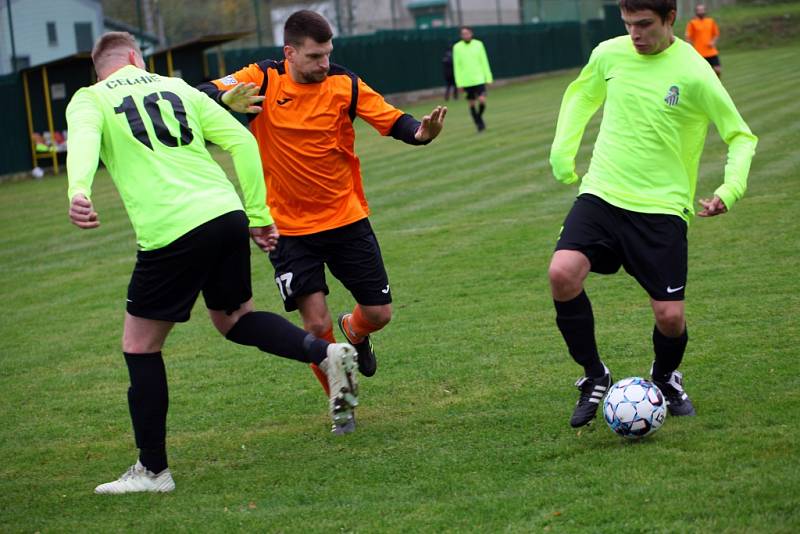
257,9
49,109
338,8
11,30
499,14
350,18
34,155
141,22
460,15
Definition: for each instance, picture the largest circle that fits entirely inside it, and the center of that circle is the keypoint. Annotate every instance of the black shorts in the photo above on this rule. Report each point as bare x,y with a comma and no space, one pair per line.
475,91
652,247
351,253
213,258
713,61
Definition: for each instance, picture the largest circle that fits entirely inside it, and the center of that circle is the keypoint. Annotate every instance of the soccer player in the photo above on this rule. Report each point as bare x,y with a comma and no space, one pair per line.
636,200
702,31
315,192
471,68
150,131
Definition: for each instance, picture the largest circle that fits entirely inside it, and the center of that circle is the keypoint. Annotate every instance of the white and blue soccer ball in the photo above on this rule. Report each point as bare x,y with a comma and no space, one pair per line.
634,407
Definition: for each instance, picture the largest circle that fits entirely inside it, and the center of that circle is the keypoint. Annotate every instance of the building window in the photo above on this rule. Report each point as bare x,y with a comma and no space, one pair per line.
83,36
52,36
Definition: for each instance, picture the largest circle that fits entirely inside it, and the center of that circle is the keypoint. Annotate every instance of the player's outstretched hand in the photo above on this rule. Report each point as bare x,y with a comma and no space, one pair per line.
243,98
81,212
431,124
266,237
711,207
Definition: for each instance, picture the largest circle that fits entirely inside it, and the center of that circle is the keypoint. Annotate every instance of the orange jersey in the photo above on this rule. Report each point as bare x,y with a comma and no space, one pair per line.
306,138
701,32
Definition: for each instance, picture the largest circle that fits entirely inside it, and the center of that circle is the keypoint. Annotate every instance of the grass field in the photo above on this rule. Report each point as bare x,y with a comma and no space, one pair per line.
465,426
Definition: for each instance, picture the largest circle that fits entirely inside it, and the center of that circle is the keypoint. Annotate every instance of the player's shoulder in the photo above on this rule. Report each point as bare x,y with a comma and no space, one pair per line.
339,70
621,43
689,54
611,50
83,97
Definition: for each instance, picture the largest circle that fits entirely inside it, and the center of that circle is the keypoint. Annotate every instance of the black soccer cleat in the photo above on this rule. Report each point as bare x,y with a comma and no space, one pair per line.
678,402
367,364
592,392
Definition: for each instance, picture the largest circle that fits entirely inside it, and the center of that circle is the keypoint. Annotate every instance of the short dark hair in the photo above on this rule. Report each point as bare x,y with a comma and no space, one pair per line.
305,23
662,7
466,28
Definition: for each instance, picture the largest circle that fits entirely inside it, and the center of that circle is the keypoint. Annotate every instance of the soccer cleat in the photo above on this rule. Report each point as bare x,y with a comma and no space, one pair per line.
592,392
345,428
367,364
138,479
340,367
678,402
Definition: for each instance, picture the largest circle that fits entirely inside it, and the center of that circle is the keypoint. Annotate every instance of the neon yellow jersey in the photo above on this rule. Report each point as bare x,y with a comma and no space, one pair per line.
655,121
471,64
151,131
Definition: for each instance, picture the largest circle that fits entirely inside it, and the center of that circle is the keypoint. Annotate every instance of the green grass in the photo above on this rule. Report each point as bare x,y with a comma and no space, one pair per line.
464,428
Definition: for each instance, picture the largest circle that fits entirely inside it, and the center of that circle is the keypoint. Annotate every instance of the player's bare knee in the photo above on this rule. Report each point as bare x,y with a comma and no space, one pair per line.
670,321
379,315
564,282
317,327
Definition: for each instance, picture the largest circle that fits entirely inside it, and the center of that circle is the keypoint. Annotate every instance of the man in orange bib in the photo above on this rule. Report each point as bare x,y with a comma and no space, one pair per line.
301,112
703,32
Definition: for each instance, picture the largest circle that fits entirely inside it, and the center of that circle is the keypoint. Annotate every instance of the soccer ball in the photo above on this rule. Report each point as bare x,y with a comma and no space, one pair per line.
634,407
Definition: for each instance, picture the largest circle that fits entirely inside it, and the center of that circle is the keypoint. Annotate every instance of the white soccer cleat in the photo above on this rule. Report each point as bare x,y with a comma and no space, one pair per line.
340,366
138,479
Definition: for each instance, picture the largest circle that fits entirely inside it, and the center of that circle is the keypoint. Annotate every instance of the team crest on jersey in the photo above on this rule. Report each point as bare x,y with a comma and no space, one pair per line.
672,96
228,80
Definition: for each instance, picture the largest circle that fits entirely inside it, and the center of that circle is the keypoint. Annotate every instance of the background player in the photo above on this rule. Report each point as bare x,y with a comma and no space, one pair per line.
315,192
636,200
703,32
472,71
150,132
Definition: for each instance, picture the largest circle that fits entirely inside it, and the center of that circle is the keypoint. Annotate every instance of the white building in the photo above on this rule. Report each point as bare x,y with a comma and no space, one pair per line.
45,30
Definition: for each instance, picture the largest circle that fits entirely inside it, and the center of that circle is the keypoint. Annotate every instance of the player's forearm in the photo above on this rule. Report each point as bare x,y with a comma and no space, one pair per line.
214,92
741,149
404,129
247,162
572,120
82,159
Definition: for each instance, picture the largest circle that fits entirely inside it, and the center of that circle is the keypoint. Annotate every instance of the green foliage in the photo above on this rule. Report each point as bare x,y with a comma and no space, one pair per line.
464,428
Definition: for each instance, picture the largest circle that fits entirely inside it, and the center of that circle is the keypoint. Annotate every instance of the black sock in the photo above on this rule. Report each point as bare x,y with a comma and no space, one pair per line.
272,333
474,113
576,322
481,109
148,401
669,353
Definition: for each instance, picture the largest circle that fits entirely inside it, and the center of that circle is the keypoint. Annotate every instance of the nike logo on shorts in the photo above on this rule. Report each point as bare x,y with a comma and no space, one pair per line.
674,290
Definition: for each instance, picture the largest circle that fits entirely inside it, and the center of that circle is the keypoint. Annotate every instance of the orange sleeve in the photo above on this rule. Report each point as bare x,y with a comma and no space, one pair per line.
715,30
251,73
375,110
690,31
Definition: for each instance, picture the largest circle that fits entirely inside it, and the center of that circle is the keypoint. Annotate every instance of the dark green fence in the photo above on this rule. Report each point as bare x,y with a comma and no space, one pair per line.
392,61
15,151
396,61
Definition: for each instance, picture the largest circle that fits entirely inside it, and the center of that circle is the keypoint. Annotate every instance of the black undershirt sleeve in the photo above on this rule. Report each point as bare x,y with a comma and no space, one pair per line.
404,129
214,92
